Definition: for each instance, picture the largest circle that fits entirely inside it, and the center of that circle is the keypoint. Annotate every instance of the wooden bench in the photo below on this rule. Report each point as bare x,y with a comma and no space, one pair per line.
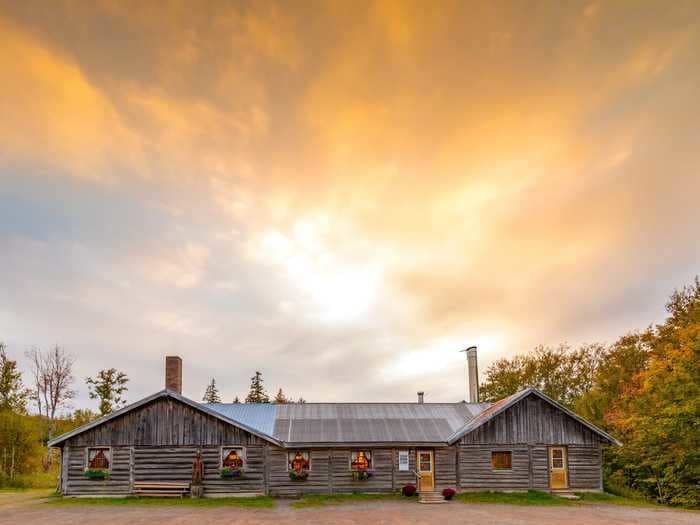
161,489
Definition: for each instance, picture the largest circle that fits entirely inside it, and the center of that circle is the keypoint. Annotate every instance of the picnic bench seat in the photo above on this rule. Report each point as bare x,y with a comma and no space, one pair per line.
161,489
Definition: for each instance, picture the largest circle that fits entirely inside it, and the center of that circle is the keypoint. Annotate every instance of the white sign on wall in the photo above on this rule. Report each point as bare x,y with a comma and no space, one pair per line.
403,459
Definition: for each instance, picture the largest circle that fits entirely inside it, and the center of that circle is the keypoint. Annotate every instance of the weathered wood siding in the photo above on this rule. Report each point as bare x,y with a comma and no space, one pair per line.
318,482
476,472
252,481
402,477
445,467
527,429
77,484
532,420
585,465
164,422
158,442
342,481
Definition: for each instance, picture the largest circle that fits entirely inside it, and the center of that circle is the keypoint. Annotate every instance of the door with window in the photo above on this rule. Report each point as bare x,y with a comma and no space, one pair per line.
425,465
558,468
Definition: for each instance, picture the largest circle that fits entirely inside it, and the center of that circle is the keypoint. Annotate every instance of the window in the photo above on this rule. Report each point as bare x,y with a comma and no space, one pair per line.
233,458
557,458
299,461
502,460
98,458
403,460
360,460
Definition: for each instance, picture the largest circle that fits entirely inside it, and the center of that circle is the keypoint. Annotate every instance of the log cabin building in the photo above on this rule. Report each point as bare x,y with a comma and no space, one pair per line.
525,441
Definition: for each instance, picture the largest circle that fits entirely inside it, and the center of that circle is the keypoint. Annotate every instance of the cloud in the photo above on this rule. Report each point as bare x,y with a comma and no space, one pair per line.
344,188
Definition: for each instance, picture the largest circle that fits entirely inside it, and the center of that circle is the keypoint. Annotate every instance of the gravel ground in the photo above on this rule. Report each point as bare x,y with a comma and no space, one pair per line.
30,510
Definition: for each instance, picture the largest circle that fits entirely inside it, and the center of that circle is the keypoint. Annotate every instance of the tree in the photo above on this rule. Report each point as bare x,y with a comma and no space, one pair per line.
657,412
53,376
211,395
301,400
108,386
562,373
236,400
257,393
13,394
280,398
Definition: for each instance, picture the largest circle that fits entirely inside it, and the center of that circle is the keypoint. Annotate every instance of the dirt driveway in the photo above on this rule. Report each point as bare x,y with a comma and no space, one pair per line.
27,510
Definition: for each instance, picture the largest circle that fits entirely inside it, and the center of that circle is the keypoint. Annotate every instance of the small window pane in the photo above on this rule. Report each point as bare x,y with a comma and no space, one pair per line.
501,460
361,460
233,457
298,461
98,458
424,463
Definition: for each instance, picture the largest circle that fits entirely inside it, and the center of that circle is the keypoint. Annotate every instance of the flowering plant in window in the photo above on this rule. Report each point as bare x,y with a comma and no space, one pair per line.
96,473
298,476
362,475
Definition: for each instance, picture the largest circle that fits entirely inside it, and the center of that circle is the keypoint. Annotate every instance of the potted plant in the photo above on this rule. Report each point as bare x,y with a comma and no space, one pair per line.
299,475
362,475
408,490
230,472
448,493
96,473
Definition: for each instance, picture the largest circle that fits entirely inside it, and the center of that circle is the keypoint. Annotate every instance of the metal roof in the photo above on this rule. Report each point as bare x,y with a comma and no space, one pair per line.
260,416
354,422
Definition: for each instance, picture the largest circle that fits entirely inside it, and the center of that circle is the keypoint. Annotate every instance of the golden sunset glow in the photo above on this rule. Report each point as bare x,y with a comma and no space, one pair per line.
255,184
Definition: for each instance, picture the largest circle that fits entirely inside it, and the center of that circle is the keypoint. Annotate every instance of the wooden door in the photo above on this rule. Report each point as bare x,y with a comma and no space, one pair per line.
558,468
425,466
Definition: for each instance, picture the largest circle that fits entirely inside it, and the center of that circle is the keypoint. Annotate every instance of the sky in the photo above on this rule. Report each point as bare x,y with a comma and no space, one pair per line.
341,195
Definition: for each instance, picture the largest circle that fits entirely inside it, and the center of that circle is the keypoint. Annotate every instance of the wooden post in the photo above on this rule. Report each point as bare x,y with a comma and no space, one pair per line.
131,469
458,479
65,462
330,472
530,473
266,468
393,470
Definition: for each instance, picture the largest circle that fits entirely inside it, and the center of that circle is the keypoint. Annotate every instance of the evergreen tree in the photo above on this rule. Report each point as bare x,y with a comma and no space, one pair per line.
13,395
211,395
108,386
301,400
257,392
280,398
236,400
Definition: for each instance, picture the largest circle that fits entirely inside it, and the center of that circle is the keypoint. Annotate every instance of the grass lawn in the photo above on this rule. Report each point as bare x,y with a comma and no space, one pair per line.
604,497
531,497
258,502
319,500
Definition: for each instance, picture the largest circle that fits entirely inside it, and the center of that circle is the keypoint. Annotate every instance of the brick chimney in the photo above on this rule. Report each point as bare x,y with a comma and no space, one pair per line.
173,373
420,398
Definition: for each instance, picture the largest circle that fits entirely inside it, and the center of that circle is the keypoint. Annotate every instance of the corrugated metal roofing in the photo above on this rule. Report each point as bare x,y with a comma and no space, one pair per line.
260,416
354,422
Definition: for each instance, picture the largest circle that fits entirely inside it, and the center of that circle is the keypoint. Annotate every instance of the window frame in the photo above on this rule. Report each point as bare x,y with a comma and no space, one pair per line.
508,454
243,455
366,451
302,450
110,458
